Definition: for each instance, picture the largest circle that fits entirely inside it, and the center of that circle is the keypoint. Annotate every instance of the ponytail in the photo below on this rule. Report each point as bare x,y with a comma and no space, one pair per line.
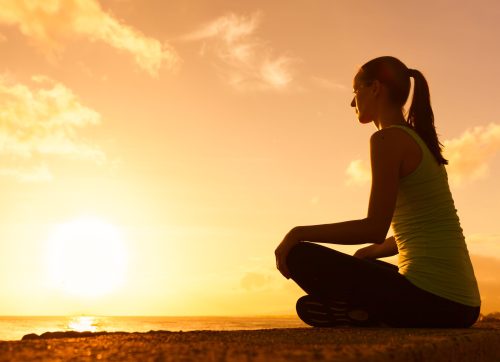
395,75
421,117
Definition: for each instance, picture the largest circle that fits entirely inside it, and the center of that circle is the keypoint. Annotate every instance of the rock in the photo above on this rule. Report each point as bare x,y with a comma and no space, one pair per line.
62,334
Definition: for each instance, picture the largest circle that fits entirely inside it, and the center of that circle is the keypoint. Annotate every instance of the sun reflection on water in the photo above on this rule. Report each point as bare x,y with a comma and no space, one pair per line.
83,324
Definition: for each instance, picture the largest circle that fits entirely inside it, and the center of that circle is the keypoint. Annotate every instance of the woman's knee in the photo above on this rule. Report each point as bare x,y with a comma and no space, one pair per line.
306,254
299,254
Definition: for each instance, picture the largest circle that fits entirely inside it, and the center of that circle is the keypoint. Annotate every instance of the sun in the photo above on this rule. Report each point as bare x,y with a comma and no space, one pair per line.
86,257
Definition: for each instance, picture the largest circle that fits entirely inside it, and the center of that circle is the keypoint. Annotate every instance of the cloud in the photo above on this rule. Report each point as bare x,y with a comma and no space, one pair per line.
358,173
484,244
37,173
328,84
260,275
231,28
253,280
468,157
39,120
276,72
245,60
49,23
470,153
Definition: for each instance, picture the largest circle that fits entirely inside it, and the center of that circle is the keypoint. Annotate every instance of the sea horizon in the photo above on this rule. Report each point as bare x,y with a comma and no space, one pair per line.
15,327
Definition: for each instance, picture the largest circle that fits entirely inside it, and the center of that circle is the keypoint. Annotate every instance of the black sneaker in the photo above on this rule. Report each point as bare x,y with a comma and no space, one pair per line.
317,312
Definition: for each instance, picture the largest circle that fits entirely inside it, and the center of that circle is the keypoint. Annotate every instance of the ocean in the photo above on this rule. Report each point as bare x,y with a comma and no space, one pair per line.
14,328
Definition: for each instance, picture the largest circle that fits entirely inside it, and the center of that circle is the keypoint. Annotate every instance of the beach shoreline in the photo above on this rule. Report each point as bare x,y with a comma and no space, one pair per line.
478,343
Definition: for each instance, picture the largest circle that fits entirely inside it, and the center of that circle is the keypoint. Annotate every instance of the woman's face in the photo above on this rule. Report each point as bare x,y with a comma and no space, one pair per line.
363,100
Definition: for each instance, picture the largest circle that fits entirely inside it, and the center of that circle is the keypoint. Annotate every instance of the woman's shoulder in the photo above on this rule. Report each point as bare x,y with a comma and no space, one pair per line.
393,130
399,144
387,144
398,135
394,135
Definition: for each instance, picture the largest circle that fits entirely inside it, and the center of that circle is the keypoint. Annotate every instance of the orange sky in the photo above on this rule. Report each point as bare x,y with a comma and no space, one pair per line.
203,131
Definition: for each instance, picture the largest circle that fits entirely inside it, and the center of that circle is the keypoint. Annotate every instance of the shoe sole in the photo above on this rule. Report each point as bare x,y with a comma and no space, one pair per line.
317,313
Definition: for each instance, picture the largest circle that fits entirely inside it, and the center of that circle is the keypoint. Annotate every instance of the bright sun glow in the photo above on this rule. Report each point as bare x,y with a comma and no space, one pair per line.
83,324
86,257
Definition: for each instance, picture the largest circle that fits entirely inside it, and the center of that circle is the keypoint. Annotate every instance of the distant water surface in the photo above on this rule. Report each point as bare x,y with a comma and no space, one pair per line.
14,328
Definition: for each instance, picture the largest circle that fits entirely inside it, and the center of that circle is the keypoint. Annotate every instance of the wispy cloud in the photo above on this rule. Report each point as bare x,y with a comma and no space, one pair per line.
469,156
358,173
484,244
255,280
36,173
49,23
259,275
470,153
246,61
39,120
328,84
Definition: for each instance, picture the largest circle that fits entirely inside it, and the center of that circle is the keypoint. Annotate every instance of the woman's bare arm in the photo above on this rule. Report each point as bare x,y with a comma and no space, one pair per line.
375,251
386,158
385,161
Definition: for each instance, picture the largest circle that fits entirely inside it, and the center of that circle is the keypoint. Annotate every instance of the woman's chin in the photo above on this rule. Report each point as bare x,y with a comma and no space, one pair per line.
364,120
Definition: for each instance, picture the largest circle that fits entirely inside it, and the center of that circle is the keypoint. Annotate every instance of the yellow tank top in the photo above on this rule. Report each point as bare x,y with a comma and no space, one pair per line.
432,250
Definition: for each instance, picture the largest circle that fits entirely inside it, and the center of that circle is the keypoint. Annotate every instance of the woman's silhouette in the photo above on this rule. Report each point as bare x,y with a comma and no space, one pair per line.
434,284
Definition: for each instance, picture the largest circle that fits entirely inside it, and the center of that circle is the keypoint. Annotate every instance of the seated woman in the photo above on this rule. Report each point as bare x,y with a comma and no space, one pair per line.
434,283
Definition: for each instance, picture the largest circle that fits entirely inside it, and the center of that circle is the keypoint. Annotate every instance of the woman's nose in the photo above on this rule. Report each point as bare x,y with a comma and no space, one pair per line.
353,102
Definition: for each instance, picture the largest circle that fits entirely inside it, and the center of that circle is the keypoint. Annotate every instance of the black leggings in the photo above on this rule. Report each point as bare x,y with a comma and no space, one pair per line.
374,286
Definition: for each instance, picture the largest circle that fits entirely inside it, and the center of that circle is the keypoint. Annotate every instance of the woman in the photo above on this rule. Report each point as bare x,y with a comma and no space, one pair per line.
434,284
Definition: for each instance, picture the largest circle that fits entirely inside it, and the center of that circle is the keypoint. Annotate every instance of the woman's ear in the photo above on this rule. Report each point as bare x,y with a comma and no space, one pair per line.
376,87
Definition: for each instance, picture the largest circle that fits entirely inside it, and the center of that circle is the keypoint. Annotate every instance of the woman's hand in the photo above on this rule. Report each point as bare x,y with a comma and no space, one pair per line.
388,248
363,253
283,249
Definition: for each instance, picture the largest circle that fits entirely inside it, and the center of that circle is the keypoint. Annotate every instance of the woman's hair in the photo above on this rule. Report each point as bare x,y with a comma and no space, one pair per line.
396,77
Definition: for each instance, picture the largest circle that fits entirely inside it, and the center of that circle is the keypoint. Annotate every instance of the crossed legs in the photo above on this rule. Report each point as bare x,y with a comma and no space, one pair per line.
373,286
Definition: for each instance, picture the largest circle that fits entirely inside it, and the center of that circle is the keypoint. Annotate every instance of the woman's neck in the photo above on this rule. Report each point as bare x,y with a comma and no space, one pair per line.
390,117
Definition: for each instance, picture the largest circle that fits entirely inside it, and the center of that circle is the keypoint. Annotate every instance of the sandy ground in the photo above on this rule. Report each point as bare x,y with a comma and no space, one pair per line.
479,343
